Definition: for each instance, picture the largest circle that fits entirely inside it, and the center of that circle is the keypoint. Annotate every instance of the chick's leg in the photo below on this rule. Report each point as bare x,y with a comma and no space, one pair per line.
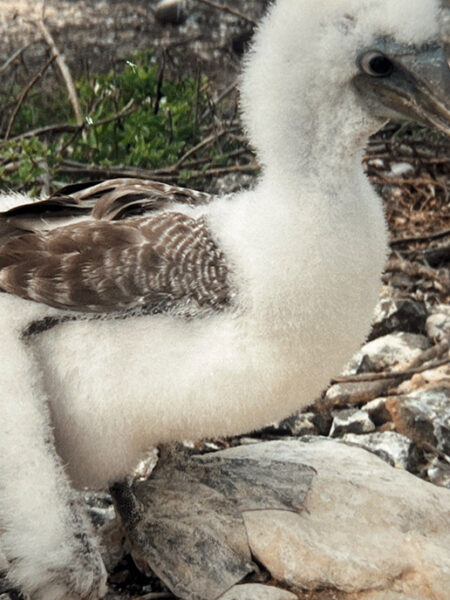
44,533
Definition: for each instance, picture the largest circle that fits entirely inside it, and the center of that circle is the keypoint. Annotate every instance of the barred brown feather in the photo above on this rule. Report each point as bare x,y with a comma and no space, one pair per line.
155,262
111,199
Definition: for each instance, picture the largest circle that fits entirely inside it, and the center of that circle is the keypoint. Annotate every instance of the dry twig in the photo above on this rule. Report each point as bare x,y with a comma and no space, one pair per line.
228,9
64,69
13,57
413,269
430,448
69,127
205,142
420,364
24,94
425,237
406,374
165,175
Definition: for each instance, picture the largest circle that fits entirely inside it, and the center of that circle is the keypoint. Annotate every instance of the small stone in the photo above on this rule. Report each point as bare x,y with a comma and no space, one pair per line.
171,12
376,162
438,375
300,424
245,440
399,169
438,324
410,385
401,281
322,421
377,411
424,415
398,314
439,473
255,591
99,507
392,447
389,426
351,421
354,392
392,350
108,527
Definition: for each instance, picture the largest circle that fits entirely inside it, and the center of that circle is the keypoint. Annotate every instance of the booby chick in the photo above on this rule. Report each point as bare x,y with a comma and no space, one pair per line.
134,313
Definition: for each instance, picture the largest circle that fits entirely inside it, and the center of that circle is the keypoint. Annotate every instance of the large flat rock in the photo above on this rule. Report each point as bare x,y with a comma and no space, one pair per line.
321,516
365,526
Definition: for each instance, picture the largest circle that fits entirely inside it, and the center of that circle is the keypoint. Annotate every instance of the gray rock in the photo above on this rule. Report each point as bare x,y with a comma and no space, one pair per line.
392,350
108,527
394,448
186,524
398,314
438,323
377,411
351,420
255,591
399,169
402,281
99,506
439,472
367,528
354,392
362,528
300,424
173,12
424,415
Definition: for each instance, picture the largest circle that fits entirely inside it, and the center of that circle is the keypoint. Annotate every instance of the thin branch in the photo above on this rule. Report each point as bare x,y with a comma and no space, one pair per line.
418,365
415,181
205,142
421,238
24,94
226,92
64,69
69,127
406,374
430,448
128,109
228,9
13,57
166,175
57,128
413,269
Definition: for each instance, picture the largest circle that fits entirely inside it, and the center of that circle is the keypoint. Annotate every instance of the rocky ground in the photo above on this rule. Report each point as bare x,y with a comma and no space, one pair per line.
393,399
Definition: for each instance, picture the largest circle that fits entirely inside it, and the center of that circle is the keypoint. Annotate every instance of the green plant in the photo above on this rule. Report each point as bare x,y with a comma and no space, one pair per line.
136,117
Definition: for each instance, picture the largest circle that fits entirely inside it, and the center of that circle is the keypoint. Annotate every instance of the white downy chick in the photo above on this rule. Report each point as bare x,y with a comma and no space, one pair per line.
202,316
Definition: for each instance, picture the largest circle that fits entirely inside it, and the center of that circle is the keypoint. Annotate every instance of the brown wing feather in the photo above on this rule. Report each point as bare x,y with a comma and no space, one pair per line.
102,266
111,199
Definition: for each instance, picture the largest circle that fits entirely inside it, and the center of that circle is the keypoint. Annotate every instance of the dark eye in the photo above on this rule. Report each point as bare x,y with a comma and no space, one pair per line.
376,64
